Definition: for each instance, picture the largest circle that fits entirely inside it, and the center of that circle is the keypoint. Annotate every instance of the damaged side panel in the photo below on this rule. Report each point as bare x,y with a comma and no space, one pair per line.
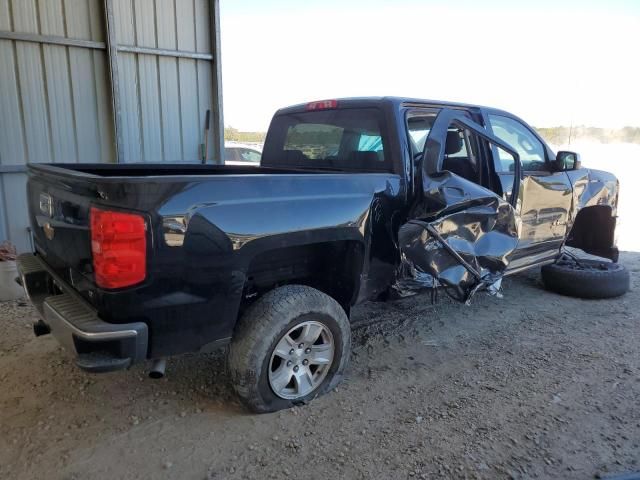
459,235
465,248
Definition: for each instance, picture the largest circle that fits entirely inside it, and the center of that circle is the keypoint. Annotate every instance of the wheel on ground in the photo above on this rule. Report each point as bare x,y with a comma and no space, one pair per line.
586,278
290,346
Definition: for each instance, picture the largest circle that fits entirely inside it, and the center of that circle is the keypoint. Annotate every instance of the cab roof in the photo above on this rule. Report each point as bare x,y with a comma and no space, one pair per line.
392,103
379,101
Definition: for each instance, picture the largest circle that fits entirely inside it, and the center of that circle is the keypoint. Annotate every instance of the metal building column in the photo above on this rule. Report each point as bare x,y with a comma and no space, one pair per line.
218,117
112,55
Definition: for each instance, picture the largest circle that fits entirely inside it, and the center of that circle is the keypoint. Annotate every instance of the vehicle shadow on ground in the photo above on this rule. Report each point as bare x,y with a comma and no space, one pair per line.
206,377
201,380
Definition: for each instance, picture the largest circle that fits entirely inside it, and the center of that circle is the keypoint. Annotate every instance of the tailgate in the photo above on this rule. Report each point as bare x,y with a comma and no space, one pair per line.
59,204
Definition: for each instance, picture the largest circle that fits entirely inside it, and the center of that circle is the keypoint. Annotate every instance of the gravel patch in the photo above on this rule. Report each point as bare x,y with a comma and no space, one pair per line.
534,385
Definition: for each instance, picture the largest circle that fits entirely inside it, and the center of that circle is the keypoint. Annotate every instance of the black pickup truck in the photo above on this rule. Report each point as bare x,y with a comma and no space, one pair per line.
354,200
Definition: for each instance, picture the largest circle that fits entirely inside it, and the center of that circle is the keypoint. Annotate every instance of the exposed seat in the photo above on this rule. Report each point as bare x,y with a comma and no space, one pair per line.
460,166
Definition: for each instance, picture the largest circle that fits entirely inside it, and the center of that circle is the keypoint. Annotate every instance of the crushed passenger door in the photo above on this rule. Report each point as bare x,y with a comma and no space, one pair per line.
459,234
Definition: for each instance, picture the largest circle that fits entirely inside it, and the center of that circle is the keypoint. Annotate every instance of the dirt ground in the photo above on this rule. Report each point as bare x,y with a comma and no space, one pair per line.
533,385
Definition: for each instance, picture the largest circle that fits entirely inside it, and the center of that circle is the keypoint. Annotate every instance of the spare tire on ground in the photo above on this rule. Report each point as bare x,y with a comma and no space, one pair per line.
586,278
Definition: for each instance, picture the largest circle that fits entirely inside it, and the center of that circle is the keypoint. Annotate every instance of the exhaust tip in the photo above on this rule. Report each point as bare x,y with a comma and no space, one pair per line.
158,368
40,328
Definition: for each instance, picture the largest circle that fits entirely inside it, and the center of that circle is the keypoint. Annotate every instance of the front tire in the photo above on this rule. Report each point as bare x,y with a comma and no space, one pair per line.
291,345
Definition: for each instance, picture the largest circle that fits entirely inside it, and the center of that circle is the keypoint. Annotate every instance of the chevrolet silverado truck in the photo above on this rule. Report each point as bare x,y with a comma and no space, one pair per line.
355,199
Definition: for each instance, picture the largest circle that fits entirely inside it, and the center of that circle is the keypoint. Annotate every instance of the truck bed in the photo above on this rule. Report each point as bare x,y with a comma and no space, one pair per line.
206,227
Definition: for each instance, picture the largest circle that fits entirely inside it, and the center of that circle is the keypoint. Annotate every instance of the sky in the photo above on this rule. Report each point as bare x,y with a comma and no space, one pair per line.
550,62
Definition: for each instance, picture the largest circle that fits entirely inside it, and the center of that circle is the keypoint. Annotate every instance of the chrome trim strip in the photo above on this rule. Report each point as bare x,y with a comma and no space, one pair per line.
527,267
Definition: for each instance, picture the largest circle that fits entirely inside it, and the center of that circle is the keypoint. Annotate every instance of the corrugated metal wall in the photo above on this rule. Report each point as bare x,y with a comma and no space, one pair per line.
164,76
103,81
55,99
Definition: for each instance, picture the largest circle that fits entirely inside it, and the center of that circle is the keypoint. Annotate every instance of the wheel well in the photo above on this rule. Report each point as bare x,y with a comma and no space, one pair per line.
331,267
594,231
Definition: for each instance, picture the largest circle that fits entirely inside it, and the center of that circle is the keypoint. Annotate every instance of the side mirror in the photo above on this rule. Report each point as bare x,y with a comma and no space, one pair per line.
567,161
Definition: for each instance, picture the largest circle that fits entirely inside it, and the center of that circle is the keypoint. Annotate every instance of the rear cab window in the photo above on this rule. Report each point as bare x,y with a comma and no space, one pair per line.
351,139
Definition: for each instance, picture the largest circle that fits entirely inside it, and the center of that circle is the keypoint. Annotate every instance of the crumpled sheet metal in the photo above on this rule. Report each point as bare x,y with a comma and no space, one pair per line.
473,222
594,187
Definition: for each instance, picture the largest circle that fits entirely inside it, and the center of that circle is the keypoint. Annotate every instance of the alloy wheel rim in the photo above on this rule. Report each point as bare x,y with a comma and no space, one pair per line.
301,360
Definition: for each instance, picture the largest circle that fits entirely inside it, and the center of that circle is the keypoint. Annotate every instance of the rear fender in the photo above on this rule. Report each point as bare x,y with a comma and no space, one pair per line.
333,267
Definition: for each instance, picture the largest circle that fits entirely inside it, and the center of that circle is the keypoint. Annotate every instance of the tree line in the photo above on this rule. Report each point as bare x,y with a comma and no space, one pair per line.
564,135
234,135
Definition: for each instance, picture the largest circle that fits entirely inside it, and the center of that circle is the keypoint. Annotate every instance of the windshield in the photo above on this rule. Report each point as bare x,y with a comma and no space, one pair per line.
345,139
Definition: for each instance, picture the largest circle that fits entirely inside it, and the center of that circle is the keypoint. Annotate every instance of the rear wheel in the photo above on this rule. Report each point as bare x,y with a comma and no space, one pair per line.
291,346
585,278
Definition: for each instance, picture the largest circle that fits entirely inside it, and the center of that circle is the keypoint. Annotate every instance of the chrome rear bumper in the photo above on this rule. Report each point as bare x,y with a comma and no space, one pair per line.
100,346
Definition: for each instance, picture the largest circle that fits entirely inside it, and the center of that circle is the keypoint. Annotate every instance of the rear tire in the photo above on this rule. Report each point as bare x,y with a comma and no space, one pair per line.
586,278
290,327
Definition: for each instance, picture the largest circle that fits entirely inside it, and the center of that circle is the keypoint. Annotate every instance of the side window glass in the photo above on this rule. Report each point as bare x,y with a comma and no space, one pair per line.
522,140
506,160
418,128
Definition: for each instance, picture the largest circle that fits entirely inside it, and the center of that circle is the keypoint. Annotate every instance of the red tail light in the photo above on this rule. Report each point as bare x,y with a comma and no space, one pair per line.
119,247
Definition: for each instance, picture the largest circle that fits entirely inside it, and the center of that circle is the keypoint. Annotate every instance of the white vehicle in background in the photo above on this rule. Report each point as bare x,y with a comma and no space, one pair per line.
236,153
